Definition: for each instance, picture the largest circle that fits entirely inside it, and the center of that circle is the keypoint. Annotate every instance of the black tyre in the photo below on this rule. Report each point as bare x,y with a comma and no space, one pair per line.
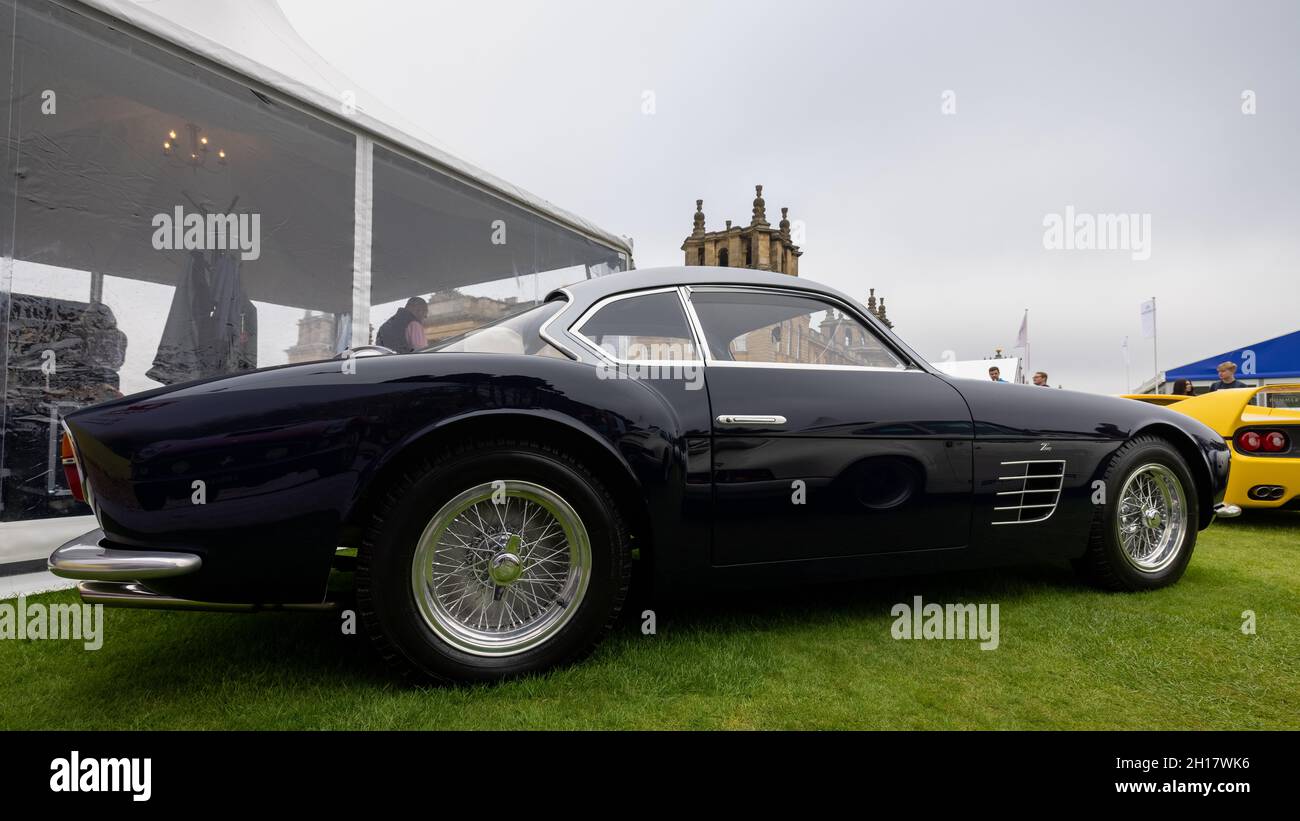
491,560
1143,535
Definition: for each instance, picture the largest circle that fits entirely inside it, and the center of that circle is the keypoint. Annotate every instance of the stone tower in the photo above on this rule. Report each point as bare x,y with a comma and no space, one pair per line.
758,245
317,337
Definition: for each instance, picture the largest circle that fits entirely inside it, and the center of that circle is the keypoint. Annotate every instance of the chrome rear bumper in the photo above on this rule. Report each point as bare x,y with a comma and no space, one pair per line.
133,594
1226,511
84,558
115,577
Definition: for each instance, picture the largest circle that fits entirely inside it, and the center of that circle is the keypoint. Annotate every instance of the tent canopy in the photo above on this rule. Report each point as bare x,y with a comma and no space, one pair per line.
1276,358
93,179
256,40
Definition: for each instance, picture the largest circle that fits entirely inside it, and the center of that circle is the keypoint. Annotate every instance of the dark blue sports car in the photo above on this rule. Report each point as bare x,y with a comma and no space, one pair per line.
705,426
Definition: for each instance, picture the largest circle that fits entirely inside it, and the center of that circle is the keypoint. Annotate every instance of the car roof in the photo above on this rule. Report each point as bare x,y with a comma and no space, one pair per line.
582,295
588,292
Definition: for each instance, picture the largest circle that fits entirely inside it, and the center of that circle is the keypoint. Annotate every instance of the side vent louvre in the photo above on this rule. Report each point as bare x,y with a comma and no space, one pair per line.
1028,491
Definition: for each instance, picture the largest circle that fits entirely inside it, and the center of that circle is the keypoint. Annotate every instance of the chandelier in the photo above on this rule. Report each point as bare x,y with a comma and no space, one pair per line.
197,152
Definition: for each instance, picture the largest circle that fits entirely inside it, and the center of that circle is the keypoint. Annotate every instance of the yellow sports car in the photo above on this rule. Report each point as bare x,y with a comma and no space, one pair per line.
1264,434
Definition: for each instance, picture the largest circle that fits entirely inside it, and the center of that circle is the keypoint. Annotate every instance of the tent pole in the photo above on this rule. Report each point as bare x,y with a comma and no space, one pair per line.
363,199
1155,344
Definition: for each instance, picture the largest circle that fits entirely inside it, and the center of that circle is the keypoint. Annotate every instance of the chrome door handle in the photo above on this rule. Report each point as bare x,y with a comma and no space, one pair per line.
730,419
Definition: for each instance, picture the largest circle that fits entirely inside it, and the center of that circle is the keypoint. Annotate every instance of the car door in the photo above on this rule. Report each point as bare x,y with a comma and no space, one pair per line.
827,440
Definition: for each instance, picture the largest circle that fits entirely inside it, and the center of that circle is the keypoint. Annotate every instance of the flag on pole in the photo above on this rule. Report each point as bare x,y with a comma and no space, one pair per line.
1023,339
1148,319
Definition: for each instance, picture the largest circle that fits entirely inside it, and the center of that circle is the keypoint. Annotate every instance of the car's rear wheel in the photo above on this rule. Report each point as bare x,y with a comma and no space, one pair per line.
492,560
1144,533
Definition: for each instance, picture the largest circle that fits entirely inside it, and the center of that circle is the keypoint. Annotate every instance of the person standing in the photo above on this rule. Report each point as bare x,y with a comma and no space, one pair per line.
1228,378
1183,387
1040,379
404,330
995,373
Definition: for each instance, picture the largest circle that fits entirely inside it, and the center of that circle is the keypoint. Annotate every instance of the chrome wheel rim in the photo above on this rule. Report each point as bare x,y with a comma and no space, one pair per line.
501,568
1152,520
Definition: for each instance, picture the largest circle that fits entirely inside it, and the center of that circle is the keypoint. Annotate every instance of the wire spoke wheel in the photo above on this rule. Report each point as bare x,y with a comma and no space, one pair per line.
501,568
1152,519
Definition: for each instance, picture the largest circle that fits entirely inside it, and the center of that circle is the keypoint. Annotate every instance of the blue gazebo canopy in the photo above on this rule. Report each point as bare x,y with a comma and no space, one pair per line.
1276,358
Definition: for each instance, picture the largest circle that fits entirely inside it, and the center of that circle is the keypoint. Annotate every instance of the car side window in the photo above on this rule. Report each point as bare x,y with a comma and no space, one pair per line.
786,329
642,327
517,334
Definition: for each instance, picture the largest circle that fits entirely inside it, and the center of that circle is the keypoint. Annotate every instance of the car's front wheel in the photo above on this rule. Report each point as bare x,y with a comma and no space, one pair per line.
492,560
1144,532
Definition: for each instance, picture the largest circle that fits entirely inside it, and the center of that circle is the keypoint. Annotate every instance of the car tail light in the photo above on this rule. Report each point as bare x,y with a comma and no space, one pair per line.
1275,441
1263,441
68,456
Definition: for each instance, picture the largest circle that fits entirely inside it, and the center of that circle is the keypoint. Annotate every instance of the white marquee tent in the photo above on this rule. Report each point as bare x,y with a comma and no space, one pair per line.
358,209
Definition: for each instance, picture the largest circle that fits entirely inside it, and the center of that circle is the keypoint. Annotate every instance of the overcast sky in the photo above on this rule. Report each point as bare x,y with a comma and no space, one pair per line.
837,109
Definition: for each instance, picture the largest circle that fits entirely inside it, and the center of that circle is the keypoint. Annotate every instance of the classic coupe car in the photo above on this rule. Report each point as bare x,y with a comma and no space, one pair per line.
1263,426
709,426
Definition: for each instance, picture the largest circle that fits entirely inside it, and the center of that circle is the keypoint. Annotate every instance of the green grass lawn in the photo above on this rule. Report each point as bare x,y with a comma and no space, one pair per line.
1070,657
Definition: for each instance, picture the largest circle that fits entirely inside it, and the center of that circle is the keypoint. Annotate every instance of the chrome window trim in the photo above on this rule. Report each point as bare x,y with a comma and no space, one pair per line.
693,319
906,365
543,331
808,366
575,329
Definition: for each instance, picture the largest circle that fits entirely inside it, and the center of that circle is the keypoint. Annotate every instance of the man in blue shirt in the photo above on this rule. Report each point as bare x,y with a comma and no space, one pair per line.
1228,378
